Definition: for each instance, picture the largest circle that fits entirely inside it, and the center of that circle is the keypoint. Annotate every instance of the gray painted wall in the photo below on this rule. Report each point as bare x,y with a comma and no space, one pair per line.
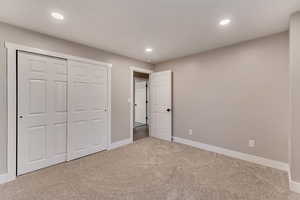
120,77
233,94
295,94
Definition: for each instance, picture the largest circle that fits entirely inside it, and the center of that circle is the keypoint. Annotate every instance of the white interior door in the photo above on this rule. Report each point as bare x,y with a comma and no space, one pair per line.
140,101
42,111
161,105
88,104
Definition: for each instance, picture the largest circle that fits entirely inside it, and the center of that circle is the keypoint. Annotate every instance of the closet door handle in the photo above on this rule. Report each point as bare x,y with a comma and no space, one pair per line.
168,110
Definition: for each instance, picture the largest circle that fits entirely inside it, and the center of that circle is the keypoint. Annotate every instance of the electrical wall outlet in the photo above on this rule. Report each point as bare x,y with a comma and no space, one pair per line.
251,143
190,131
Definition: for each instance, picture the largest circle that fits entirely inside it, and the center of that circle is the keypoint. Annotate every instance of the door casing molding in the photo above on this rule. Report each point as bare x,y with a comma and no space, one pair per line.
11,50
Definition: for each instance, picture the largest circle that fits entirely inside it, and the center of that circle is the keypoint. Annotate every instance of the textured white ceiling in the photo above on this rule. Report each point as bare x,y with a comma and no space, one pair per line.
173,28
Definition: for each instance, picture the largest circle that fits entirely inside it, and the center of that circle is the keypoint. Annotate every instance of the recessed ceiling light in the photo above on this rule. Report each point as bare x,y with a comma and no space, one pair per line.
225,22
57,16
149,50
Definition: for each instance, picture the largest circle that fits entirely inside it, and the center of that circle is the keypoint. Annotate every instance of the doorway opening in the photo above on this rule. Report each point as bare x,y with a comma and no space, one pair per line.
158,105
141,105
140,122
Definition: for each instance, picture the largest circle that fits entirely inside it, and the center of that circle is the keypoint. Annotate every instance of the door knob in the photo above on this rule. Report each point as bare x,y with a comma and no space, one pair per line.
21,116
168,110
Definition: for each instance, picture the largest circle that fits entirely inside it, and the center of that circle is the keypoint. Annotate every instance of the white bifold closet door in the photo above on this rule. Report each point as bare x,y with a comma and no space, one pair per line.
42,111
88,104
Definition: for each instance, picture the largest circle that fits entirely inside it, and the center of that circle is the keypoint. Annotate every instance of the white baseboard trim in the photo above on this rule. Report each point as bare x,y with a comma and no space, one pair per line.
4,178
118,144
294,186
235,154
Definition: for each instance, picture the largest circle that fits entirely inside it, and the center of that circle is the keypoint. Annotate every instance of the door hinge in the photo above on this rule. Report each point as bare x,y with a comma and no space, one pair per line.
147,101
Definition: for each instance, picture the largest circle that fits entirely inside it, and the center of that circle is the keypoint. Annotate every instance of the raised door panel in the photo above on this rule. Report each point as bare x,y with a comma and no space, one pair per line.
37,138
99,131
60,137
98,87
37,96
61,97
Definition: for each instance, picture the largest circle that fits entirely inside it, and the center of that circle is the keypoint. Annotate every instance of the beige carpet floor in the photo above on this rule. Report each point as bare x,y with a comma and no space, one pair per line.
151,169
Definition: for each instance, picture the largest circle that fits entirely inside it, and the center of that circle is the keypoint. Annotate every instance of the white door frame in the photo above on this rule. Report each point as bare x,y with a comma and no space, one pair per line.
132,70
12,100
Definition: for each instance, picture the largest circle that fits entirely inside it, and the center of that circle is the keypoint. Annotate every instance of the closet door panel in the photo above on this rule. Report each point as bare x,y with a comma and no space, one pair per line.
42,111
87,109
